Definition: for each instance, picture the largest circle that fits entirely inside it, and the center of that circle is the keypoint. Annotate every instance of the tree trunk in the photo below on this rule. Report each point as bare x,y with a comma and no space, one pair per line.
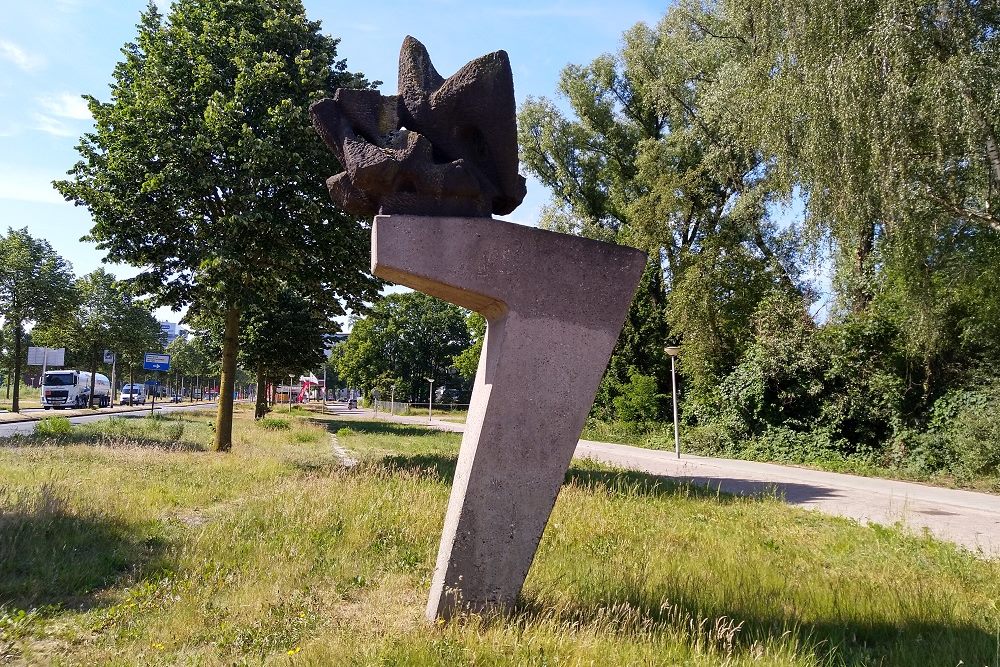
260,409
131,382
93,378
230,346
15,404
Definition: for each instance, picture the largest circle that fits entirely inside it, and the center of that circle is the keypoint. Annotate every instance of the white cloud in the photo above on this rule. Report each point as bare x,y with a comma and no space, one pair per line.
66,105
11,52
32,185
54,126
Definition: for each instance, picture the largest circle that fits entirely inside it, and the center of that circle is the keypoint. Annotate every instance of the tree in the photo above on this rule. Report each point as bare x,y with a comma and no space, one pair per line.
885,113
99,318
650,160
139,333
35,284
467,362
408,336
204,168
286,335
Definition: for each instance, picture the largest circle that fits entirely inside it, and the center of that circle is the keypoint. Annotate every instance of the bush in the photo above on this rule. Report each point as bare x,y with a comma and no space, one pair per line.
274,424
639,401
53,427
974,437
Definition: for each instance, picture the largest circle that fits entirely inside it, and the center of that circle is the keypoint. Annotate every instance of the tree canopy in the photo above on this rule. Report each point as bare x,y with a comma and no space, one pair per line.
404,339
204,169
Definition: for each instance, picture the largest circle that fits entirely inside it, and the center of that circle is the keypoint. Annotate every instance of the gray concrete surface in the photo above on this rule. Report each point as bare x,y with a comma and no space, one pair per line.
967,518
554,306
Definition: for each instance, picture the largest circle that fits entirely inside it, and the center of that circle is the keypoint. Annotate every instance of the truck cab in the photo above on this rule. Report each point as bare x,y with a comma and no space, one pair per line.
70,388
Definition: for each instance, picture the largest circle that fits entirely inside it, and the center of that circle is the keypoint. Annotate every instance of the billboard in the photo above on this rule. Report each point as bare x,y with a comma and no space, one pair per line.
46,356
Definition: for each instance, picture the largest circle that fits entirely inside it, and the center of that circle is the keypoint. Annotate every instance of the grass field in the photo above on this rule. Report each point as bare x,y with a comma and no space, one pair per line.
28,397
128,543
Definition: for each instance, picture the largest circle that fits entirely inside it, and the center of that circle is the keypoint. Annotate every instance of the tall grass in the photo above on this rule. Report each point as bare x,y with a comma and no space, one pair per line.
277,554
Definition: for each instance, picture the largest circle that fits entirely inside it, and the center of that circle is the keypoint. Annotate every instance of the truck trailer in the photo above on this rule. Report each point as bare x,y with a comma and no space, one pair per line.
68,388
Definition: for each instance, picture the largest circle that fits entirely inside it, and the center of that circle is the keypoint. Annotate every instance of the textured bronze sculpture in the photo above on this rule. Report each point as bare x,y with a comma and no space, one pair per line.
439,147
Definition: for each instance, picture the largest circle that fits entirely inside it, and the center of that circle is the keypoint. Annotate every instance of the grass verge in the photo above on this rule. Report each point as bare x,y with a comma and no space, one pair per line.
129,543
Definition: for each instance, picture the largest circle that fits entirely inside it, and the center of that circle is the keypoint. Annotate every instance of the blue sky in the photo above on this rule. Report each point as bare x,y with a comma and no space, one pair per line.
53,51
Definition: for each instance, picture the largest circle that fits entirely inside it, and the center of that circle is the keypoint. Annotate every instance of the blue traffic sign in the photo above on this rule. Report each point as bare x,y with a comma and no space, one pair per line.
156,362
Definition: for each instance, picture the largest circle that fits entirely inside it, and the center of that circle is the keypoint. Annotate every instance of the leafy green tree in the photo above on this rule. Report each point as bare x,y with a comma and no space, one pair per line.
286,335
408,336
649,160
138,334
467,362
204,169
100,318
35,284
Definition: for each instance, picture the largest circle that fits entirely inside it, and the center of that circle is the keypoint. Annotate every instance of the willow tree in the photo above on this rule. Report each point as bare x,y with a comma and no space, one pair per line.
204,170
885,113
646,158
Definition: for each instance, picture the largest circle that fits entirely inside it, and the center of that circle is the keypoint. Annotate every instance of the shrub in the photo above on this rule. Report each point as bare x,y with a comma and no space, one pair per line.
53,427
273,424
639,400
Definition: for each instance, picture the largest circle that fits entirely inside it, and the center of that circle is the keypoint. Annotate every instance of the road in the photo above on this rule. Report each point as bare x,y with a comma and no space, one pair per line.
26,427
965,517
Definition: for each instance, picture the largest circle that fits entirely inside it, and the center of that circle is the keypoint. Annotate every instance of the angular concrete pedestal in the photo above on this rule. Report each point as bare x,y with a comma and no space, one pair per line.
554,306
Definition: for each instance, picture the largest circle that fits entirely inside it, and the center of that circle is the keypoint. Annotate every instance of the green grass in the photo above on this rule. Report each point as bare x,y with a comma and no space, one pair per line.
129,543
29,397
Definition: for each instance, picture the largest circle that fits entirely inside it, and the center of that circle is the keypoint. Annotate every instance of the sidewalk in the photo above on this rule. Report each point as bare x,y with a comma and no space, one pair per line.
968,518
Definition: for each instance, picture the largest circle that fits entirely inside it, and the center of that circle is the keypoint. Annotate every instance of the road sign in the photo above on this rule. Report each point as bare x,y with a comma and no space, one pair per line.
109,357
46,356
156,362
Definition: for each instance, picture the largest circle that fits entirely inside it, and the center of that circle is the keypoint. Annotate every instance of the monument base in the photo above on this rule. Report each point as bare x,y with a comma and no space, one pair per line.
554,306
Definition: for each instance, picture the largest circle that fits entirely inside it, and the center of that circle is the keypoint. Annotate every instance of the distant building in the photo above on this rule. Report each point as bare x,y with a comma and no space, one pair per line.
172,331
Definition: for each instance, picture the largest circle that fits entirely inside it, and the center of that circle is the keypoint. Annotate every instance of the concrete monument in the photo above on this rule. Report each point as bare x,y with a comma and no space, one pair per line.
554,303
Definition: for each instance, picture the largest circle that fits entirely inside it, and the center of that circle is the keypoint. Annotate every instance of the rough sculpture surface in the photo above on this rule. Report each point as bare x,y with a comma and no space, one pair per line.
431,163
439,147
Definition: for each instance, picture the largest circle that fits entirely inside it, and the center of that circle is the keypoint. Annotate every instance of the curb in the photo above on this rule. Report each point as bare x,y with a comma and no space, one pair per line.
70,414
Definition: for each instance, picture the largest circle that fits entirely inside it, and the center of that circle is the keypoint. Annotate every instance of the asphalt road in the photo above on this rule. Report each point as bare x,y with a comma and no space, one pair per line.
28,427
965,517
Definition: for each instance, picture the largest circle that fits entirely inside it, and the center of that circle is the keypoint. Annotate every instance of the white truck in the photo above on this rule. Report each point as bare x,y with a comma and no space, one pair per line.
61,389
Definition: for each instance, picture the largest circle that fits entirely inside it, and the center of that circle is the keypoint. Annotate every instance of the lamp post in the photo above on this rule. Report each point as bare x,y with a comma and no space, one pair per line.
291,376
392,400
673,351
430,401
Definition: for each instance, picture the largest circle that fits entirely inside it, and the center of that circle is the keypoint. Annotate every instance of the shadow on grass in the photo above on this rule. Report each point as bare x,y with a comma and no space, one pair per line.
51,555
849,639
376,427
623,482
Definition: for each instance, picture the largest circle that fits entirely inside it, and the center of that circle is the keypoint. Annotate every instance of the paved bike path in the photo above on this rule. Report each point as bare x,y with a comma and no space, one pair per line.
967,518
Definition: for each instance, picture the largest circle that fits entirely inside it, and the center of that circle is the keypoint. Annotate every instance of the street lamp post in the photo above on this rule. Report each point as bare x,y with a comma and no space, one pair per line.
290,377
673,351
430,401
392,400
